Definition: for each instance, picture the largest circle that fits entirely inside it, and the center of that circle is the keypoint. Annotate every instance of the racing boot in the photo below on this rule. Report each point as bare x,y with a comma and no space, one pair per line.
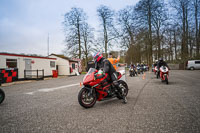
124,100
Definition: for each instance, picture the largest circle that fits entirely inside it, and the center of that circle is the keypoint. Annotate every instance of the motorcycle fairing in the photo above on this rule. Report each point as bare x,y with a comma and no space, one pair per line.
97,84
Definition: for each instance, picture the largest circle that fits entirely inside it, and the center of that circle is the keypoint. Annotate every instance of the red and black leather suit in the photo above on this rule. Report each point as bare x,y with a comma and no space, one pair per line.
107,68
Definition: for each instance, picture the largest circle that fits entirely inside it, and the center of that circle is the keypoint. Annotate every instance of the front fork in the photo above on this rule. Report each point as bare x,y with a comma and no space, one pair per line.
90,91
165,76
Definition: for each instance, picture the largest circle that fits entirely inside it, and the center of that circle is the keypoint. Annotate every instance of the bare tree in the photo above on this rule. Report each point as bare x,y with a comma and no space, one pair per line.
73,21
106,16
159,21
88,39
146,11
182,8
126,22
196,5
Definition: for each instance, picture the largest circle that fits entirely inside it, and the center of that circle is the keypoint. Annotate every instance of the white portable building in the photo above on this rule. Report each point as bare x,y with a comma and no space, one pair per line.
26,62
65,65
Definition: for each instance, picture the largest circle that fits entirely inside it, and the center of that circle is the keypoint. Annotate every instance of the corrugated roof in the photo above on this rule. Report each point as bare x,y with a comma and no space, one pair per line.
64,57
28,56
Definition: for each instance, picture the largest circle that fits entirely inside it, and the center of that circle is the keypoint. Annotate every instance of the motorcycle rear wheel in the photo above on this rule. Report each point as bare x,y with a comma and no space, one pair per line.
2,96
119,96
86,101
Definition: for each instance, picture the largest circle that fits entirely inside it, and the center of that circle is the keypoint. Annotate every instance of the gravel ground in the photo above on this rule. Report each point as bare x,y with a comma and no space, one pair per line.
52,106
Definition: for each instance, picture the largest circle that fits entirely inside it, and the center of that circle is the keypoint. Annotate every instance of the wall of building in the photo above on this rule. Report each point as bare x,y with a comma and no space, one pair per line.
63,65
20,64
79,64
76,68
37,63
41,64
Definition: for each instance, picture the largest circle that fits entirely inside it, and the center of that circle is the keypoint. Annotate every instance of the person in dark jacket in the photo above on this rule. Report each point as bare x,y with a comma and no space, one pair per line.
107,67
160,63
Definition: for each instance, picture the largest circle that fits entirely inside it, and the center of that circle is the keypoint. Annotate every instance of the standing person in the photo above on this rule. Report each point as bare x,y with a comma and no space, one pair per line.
102,63
113,61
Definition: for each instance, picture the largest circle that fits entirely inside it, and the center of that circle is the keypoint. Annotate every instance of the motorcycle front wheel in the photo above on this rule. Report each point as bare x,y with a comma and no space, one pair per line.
85,100
166,79
2,96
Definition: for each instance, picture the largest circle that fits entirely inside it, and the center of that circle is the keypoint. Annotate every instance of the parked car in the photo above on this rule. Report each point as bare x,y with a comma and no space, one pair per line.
193,64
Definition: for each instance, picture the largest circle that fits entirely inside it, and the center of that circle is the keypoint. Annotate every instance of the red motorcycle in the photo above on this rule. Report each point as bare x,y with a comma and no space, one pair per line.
155,69
98,87
164,74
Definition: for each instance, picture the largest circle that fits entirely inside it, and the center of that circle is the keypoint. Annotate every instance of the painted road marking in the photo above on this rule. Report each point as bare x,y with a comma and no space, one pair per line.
51,89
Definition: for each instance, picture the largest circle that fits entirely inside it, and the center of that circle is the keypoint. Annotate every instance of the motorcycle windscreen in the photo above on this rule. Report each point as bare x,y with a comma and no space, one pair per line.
89,76
164,69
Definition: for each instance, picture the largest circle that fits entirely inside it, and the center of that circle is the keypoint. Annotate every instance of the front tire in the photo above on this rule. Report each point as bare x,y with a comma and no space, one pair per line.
166,80
157,75
2,96
85,100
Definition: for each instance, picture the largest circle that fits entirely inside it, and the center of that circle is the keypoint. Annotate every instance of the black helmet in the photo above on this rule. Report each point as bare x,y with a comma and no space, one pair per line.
160,59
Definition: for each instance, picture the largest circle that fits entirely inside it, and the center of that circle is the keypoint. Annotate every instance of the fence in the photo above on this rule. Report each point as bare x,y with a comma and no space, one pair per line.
34,74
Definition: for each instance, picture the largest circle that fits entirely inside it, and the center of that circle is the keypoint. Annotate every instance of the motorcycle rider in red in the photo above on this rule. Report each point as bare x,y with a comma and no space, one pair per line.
107,67
160,63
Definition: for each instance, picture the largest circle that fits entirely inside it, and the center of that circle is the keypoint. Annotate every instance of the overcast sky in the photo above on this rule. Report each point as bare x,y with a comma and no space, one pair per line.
25,24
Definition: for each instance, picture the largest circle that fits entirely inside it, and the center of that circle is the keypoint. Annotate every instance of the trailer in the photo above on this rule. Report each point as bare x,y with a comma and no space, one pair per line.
27,65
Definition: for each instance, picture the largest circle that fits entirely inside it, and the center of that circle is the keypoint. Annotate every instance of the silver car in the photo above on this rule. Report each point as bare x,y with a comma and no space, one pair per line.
193,64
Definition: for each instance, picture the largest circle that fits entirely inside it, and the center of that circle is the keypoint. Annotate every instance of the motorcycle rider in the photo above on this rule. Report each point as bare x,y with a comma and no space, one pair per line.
138,68
160,63
142,67
102,63
132,66
155,64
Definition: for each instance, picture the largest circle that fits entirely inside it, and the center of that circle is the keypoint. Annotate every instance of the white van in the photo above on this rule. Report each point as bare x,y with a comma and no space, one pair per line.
193,64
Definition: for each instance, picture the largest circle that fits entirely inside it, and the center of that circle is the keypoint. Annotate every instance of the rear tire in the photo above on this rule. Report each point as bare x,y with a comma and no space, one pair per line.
81,98
119,96
2,96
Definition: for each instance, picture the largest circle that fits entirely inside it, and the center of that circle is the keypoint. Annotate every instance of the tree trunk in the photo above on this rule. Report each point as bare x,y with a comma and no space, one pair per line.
196,26
79,41
105,39
184,35
191,46
187,35
171,50
198,43
150,34
158,41
175,45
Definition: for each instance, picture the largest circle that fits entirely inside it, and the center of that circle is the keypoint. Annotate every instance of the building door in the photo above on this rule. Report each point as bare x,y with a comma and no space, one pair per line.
28,67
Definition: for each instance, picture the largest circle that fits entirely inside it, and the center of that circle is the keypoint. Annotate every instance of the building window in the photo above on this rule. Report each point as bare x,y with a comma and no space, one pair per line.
73,66
52,64
11,63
